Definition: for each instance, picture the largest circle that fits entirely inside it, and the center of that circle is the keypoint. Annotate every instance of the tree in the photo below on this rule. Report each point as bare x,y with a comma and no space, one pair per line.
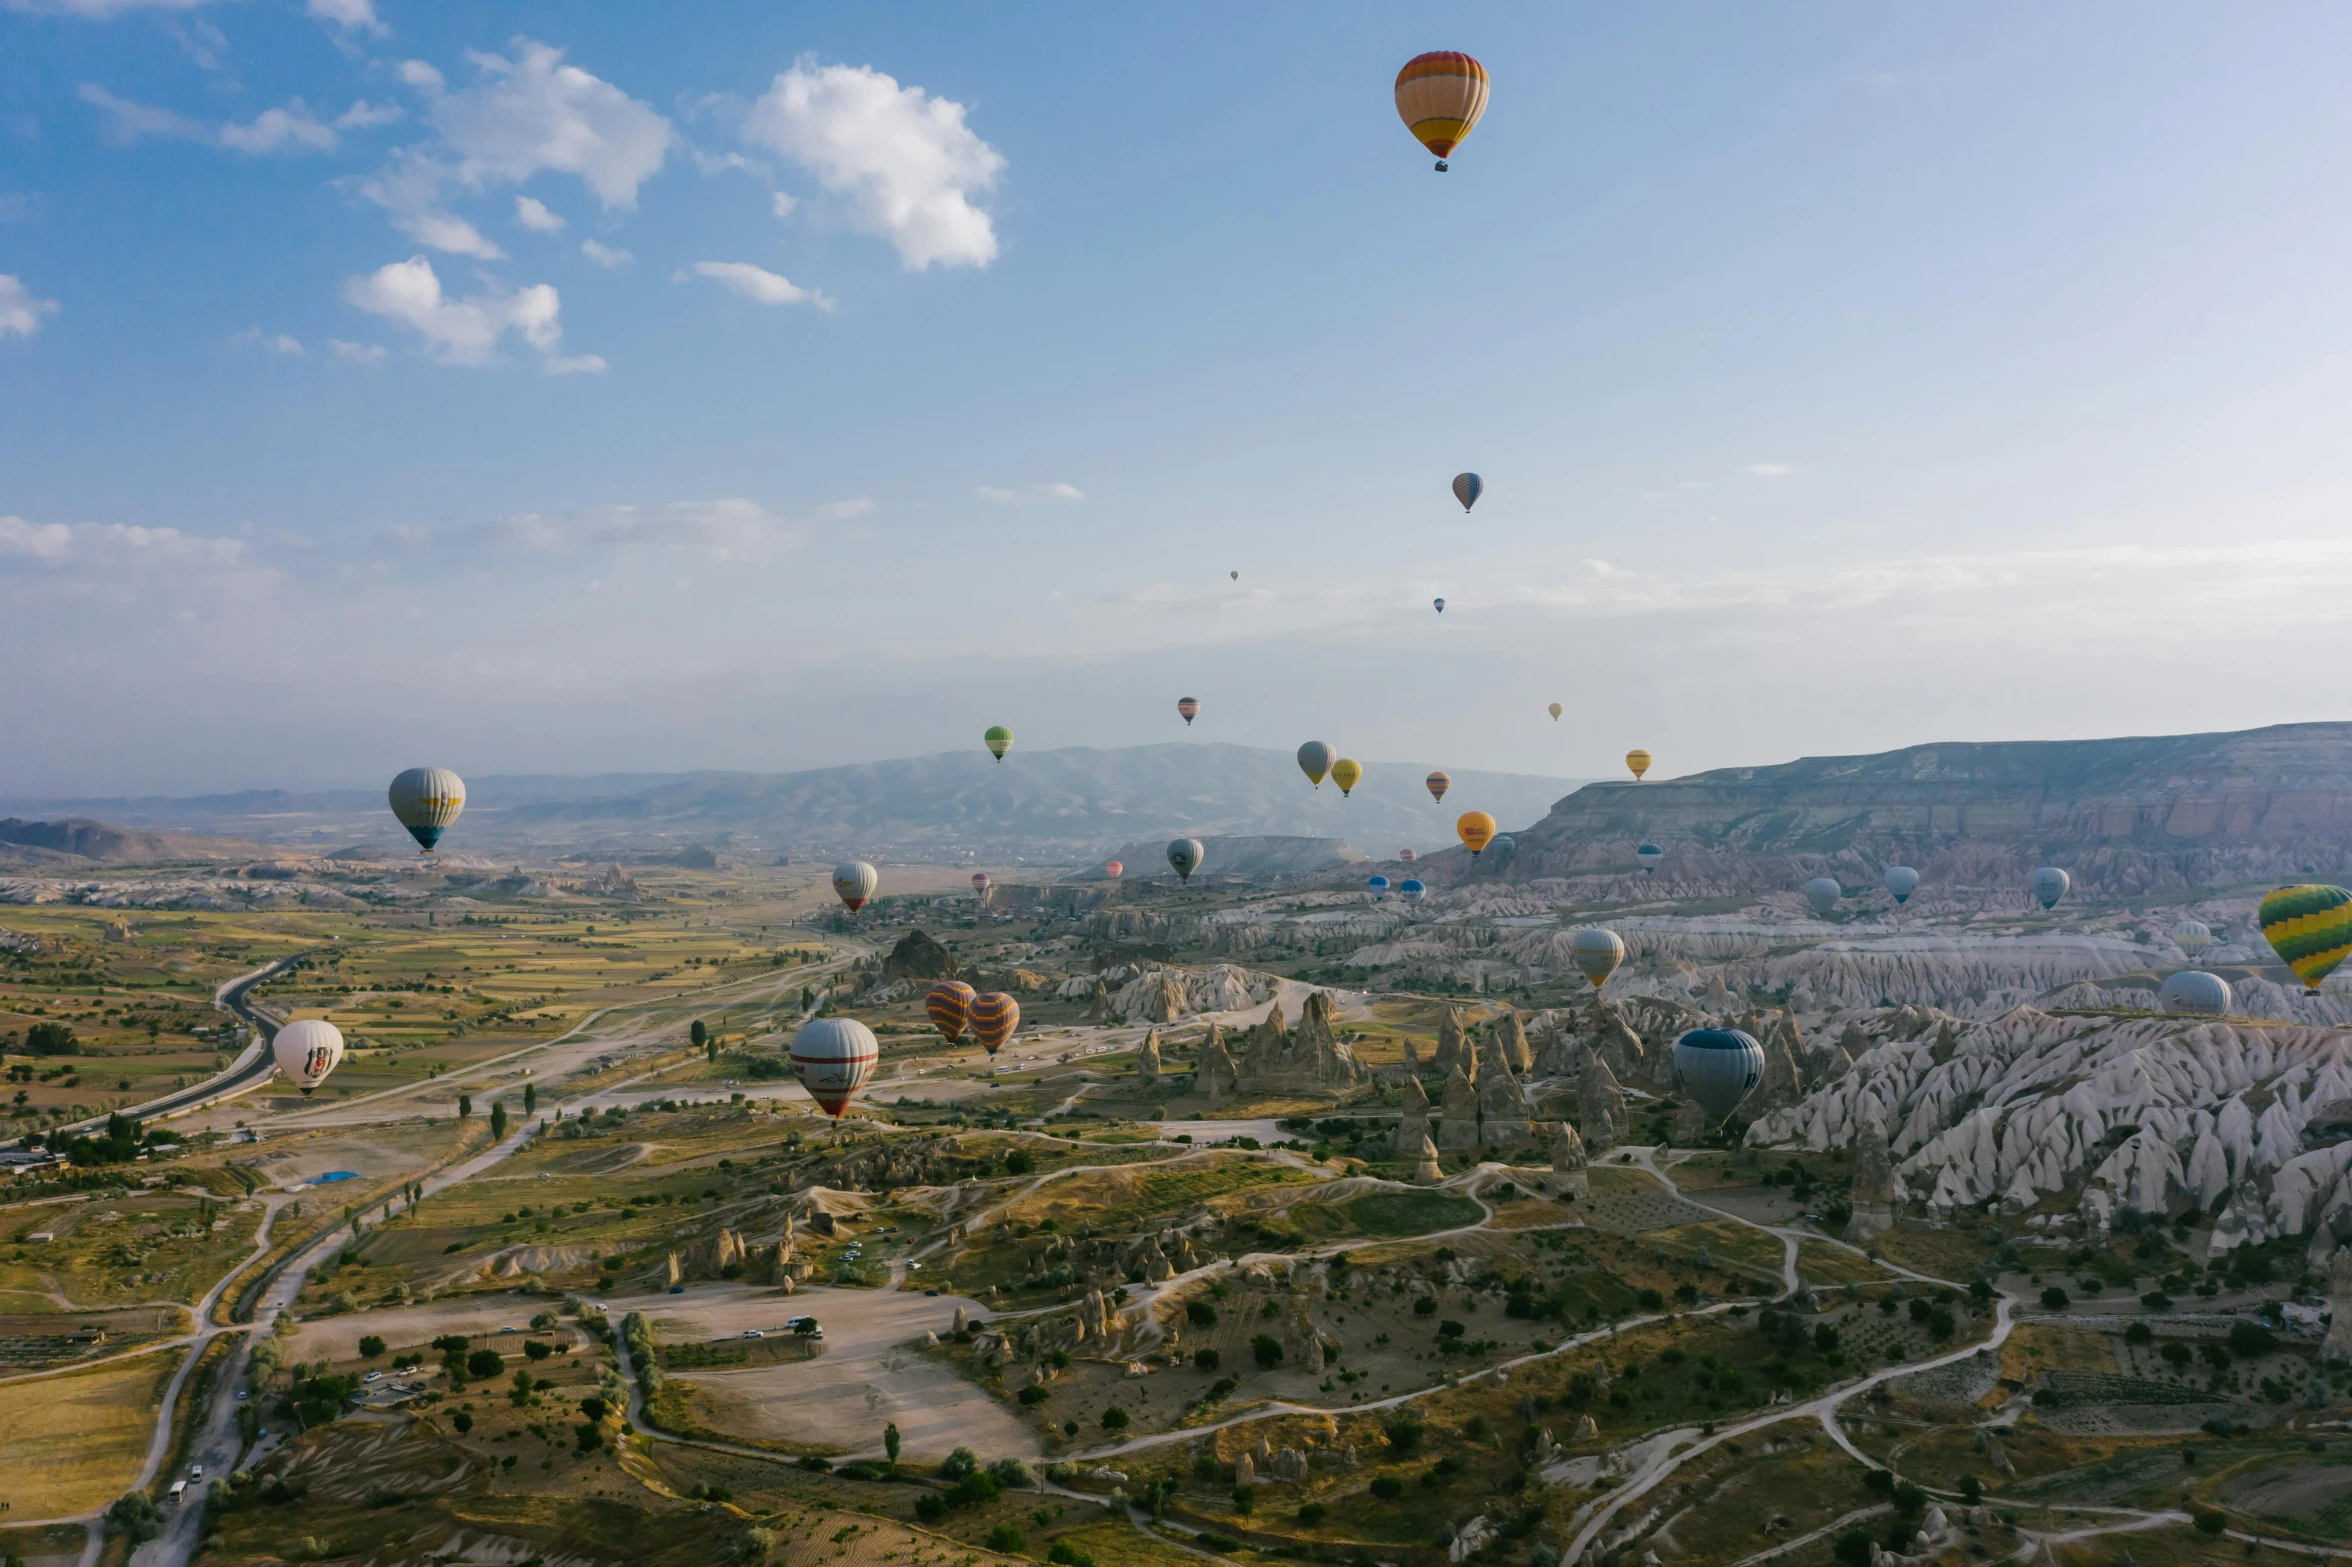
698,1033
51,1039
485,1363
1114,1419
463,1421
2054,1298
530,1099
2212,1521
890,1442
135,1516
1266,1349
497,1118
465,1106
370,1346
1971,1490
1853,1549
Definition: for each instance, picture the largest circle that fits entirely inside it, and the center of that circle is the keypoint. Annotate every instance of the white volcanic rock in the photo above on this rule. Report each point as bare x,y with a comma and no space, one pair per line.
2149,1113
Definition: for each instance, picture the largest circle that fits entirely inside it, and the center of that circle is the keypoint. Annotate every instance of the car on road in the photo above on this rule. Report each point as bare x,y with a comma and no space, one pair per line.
510,1330
195,1471
930,1292
753,1333
373,1376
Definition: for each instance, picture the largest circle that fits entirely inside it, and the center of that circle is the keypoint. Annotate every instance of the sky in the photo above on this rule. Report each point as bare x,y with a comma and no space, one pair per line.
558,388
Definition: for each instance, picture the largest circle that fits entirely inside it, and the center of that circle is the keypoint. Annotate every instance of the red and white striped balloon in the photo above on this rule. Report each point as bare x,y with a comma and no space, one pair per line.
833,1057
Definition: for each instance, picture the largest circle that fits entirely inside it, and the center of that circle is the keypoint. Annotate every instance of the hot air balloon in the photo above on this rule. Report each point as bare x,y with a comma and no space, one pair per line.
1717,1067
1648,855
1314,759
1438,784
1345,773
1405,855
994,1016
1823,893
1379,886
980,885
1555,712
1186,854
307,1051
833,1057
1236,576
999,740
1411,891
2310,928
1467,488
1188,708
1113,869
1476,829
2049,885
1902,881
855,881
948,1006
1440,96
1501,850
1440,603
1639,760
2191,937
2195,991
1596,953
425,800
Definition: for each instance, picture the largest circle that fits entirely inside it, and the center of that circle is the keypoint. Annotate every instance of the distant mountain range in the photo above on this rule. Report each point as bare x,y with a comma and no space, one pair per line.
1047,806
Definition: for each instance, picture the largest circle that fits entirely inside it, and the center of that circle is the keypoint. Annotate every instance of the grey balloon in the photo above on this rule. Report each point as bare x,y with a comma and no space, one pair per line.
1315,759
1902,881
2049,885
2191,936
1718,1067
1185,856
1823,893
1500,850
2195,991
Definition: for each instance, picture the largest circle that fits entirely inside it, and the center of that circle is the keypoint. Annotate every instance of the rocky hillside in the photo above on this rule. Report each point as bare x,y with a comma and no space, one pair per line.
2122,816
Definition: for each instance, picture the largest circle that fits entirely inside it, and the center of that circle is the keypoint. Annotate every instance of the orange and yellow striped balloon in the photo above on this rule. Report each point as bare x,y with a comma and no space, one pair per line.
993,1016
1440,96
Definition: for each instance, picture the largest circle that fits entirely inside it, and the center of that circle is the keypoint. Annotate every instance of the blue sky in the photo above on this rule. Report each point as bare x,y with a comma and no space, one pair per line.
559,388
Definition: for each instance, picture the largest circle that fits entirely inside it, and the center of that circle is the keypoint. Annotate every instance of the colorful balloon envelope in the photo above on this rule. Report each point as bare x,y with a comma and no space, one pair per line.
1823,893
1346,773
306,1051
999,740
1410,891
1555,711
1315,759
1185,856
2049,885
1379,886
1406,855
1440,96
833,1057
2196,993
1113,869
994,1016
854,881
2310,928
1595,953
1440,603
1718,1067
1437,784
426,801
1902,881
1467,488
1648,856
2192,936
948,1006
1476,829
1639,761
980,885
1188,708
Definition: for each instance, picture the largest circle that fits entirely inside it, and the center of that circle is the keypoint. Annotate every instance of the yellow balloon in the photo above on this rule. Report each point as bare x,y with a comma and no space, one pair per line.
1345,773
1639,760
1476,829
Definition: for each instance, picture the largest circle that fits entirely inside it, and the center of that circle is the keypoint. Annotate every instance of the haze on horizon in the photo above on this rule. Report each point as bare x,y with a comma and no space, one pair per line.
572,392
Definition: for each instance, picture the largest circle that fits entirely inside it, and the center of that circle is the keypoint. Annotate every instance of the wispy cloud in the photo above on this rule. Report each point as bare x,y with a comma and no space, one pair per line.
754,283
292,128
20,310
606,256
275,342
1769,470
1036,492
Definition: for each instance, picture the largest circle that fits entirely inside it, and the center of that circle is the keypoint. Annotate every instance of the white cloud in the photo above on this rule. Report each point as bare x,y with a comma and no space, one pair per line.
356,353
458,331
1770,470
757,283
275,342
290,129
781,203
1037,492
366,116
424,78
111,545
99,10
728,529
534,114
904,162
350,15
577,364
410,189
20,312
607,256
534,216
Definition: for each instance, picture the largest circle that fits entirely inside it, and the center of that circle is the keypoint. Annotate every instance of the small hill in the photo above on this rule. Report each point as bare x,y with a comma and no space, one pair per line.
1243,855
79,838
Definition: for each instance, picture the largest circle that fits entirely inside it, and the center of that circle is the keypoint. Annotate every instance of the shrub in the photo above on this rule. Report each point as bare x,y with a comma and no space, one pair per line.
1388,1488
2139,1333
1034,1394
2249,1339
133,1514
959,1463
1853,1549
1426,1306
2211,1521
977,1489
1245,1500
930,1507
1404,1435
1971,1490
370,1346
1009,1472
1019,1162
2054,1298
485,1363
1200,1313
1311,1513
52,1039
1004,1537
534,1350
1266,1349
1064,1554
1114,1419
1650,1300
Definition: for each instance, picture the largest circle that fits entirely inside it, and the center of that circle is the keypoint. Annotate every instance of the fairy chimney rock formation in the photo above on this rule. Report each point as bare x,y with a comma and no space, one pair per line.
1511,1034
1147,1060
1874,1180
1457,1115
1601,1106
2339,1338
1215,1075
1503,1109
1413,1126
1427,1172
1451,1049
1312,1060
1569,1175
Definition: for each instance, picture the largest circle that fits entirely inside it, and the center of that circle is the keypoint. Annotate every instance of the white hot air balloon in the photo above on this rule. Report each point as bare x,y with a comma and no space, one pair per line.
2049,885
1823,893
306,1051
2195,991
1649,856
1902,881
833,1057
426,800
1718,1067
2192,937
855,881
1596,953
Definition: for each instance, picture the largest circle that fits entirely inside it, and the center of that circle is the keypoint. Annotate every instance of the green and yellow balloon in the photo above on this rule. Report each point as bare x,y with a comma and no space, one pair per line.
999,740
2310,928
